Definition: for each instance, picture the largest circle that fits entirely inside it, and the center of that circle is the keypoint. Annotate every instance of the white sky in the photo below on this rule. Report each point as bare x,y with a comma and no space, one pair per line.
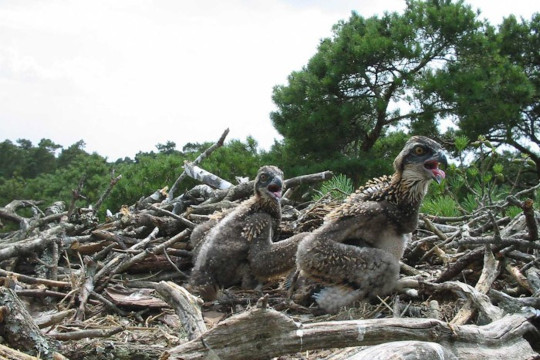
125,75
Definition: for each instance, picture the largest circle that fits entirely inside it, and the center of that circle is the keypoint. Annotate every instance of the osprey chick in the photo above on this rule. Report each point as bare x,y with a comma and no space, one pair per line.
356,252
239,249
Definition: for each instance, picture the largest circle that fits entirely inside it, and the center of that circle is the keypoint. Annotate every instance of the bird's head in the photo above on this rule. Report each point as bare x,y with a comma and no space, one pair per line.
420,159
269,182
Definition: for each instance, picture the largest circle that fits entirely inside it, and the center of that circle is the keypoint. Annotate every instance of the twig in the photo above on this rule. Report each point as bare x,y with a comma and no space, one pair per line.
34,245
87,288
103,196
493,240
173,264
109,304
48,320
431,227
32,280
40,293
182,219
76,194
519,277
109,266
83,334
127,264
199,158
448,219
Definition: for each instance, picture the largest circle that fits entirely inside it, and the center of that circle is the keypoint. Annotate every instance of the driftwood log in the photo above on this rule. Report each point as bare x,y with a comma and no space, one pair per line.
266,333
18,328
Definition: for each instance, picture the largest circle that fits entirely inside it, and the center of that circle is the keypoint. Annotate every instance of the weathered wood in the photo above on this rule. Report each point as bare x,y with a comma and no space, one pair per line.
199,158
533,278
307,179
99,349
181,219
33,245
112,183
12,354
519,277
199,174
19,329
403,350
87,287
186,306
156,197
110,267
528,211
33,280
8,212
489,274
245,190
511,304
84,334
51,319
266,333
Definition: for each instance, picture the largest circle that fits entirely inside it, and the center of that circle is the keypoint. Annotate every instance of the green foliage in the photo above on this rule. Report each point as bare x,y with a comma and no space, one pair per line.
27,160
168,148
337,188
513,211
493,86
58,184
440,206
147,174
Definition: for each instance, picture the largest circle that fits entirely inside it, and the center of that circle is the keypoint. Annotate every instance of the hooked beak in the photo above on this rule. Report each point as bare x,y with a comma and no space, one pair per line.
275,187
433,163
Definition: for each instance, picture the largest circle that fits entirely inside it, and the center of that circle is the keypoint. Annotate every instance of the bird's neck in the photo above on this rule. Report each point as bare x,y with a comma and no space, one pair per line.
407,195
408,190
271,206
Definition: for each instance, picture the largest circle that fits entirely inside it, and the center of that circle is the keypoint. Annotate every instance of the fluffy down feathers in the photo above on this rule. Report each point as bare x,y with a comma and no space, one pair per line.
239,249
356,252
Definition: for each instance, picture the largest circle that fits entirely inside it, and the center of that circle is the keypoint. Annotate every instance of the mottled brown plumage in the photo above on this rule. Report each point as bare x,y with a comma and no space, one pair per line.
356,252
239,249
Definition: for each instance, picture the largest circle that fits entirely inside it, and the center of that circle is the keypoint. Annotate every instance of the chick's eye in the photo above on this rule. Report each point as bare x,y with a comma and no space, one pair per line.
419,150
264,177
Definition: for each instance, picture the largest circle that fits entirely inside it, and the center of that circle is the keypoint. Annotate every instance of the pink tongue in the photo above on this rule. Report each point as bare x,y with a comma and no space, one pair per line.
278,194
438,172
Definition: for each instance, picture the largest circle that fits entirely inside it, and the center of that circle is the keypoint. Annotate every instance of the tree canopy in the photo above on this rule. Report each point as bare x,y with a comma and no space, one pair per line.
434,64
352,90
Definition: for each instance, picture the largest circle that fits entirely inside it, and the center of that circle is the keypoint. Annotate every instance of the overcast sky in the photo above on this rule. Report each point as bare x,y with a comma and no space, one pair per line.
125,75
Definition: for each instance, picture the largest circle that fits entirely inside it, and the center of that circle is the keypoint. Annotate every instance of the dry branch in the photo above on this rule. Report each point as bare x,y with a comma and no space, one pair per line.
488,276
12,354
33,245
19,329
33,280
262,334
244,190
187,306
197,173
200,158
98,349
84,334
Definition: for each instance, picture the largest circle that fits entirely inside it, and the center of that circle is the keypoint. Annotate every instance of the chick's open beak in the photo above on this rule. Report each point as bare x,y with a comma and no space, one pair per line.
433,166
275,187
